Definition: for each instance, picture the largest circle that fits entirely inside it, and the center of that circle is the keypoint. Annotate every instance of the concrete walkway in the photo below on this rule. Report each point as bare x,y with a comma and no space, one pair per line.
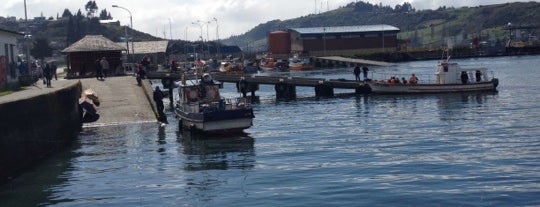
356,61
37,89
122,100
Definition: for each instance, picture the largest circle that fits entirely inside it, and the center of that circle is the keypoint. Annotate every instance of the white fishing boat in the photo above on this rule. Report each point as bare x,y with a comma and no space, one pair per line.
200,107
300,63
448,78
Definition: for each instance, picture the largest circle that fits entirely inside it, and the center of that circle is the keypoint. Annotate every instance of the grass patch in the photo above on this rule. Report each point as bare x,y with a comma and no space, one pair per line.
7,91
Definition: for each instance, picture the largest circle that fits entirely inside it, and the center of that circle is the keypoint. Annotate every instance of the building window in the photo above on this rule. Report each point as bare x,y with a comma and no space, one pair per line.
350,36
330,37
371,35
309,38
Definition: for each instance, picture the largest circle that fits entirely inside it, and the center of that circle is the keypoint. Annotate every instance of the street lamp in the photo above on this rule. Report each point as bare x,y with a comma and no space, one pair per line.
170,28
200,26
207,36
217,37
185,44
131,25
27,39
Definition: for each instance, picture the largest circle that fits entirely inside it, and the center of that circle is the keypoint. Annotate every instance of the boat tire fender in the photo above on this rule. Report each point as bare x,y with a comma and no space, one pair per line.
193,94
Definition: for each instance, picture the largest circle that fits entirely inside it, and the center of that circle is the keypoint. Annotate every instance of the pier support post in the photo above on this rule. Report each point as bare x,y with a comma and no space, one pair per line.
285,91
243,87
323,90
363,89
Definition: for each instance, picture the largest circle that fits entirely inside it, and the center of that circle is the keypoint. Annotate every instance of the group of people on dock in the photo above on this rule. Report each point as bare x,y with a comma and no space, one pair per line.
49,71
356,72
102,68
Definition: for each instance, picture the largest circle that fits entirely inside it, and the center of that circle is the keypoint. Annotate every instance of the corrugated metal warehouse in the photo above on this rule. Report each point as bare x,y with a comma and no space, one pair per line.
343,40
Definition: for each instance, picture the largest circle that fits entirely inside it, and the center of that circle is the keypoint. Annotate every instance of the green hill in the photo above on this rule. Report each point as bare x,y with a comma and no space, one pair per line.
423,28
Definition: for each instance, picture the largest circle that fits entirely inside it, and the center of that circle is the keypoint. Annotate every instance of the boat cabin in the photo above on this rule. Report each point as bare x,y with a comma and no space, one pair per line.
206,91
452,73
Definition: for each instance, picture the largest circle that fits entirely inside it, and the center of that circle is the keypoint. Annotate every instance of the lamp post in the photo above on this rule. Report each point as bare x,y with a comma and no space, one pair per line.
218,45
27,39
198,22
207,37
186,47
130,23
170,28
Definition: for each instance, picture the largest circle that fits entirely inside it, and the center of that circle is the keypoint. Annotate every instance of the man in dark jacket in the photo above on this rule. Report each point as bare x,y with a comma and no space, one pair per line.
158,99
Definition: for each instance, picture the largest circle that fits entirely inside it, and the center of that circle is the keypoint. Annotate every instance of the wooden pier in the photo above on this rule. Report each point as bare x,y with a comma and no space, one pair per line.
349,62
285,87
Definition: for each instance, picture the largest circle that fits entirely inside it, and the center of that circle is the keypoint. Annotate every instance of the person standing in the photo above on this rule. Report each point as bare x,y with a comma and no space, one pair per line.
174,67
47,73
141,75
356,72
365,71
105,67
145,62
54,67
99,70
464,77
158,99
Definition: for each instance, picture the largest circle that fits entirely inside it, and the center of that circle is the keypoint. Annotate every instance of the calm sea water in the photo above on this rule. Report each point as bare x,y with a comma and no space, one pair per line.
477,149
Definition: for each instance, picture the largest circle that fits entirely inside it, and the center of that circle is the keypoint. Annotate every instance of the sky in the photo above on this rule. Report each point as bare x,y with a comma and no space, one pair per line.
188,19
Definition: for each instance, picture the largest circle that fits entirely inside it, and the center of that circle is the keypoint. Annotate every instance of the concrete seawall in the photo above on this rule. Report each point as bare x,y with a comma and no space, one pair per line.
35,123
38,121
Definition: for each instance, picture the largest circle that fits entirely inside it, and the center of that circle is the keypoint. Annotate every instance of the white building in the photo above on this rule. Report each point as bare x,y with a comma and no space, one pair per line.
8,59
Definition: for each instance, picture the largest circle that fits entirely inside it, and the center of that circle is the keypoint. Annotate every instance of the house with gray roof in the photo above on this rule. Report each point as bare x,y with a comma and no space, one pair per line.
83,54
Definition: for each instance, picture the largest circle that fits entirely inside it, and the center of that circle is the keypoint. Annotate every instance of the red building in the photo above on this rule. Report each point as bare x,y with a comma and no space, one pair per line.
343,40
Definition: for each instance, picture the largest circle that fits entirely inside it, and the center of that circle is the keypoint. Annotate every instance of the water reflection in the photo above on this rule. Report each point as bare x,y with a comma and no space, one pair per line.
161,140
453,106
217,153
45,180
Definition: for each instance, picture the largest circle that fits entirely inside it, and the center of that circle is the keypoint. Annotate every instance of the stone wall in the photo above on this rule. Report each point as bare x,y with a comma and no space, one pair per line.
34,127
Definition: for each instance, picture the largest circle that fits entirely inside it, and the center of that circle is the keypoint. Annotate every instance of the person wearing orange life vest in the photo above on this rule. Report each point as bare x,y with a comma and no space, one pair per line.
413,79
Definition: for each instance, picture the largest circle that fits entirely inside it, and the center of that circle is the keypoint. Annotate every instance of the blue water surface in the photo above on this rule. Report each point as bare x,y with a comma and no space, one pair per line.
474,149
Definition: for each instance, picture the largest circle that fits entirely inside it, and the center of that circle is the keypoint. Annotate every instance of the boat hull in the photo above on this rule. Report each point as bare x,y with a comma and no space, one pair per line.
220,122
385,88
301,67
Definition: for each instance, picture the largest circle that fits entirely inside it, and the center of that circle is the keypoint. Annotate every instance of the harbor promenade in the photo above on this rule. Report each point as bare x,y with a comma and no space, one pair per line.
122,100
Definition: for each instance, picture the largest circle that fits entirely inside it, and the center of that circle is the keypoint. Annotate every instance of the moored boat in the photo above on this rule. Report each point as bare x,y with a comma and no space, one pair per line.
269,63
300,63
231,67
448,78
200,107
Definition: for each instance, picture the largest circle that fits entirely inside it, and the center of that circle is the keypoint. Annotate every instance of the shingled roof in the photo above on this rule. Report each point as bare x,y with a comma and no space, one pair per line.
147,47
346,29
93,43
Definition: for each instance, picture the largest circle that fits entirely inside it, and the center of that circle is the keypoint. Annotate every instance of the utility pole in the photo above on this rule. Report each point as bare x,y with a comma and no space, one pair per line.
170,28
218,45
